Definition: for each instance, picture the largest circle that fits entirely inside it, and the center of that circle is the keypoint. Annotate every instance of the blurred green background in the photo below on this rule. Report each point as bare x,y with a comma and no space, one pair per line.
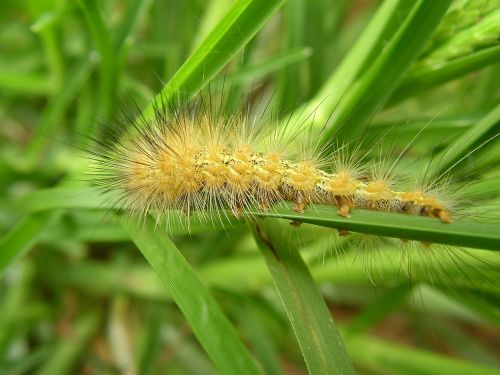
75,294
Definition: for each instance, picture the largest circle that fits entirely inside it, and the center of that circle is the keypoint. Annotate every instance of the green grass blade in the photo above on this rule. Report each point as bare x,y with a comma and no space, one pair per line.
459,233
486,92
151,343
241,23
107,56
260,341
488,309
64,197
461,15
396,359
383,306
214,11
134,12
54,112
253,72
292,80
244,274
374,87
482,132
323,35
215,333
13,300
46,28
92,198
27,83
20,238
316,332
67,352
483,34
382,25
425,77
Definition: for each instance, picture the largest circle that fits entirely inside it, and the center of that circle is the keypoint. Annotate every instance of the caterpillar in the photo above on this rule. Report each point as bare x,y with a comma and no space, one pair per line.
194,159
191,157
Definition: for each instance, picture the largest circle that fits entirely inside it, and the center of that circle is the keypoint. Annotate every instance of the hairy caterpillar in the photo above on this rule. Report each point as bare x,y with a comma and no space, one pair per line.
191,157
195,157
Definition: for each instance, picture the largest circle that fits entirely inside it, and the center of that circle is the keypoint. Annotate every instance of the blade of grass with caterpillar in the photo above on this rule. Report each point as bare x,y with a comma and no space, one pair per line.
461,233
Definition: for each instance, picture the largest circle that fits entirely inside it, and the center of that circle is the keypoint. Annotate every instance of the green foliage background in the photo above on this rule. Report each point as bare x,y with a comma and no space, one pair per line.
76,295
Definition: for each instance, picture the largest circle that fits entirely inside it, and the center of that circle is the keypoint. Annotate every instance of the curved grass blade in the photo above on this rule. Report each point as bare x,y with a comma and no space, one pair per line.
316,332
64,197
248,274
29,83
208,322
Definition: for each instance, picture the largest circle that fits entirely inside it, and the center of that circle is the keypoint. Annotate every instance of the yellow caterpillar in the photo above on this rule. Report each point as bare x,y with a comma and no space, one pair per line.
191,159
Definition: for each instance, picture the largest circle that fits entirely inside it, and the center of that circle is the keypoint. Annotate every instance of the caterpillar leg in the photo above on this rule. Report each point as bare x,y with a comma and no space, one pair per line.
299,203
344,207
237,207
264,206
344,233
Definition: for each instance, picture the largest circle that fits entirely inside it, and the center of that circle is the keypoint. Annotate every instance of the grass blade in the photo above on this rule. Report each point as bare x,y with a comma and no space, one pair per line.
460,233
486,128
382,307
93,199
27,83
20,238
253,72
54,112
396,359
215,333
427,77
241,23
370,92
311,320
107,62
381,27
67,353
